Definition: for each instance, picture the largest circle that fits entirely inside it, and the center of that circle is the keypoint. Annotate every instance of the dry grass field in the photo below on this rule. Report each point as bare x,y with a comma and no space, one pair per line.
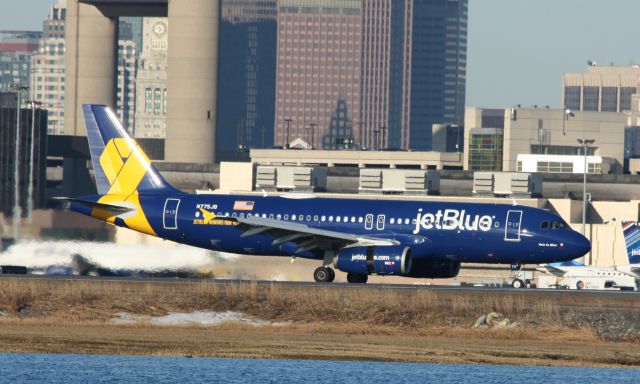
356,324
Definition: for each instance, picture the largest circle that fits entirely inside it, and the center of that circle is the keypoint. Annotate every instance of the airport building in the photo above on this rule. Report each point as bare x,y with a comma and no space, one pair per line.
537,138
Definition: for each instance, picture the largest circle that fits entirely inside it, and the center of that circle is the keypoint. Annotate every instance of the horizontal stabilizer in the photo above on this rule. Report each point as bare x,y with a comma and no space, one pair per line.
115,209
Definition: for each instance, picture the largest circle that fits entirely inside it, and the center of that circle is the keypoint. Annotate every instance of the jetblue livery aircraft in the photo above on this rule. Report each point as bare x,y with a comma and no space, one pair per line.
357,236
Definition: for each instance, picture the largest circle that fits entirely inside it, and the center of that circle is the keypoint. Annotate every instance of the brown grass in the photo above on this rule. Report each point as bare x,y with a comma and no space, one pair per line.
72,316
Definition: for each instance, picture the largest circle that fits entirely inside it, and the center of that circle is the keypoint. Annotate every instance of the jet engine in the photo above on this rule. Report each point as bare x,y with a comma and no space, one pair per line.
434,269
380,260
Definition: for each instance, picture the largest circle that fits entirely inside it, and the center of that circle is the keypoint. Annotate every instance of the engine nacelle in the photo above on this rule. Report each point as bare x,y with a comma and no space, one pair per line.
435,269
381,260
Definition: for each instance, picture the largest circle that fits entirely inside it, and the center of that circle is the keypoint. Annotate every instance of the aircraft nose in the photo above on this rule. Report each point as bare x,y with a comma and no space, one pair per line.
581,244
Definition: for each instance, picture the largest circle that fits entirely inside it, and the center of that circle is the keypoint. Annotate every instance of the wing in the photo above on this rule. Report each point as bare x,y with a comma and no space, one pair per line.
548,268
306,238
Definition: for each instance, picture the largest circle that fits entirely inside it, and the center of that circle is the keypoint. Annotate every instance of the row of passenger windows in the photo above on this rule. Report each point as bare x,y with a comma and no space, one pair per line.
316,218
554,225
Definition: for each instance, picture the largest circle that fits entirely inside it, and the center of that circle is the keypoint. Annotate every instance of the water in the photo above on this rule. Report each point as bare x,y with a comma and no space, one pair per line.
42,368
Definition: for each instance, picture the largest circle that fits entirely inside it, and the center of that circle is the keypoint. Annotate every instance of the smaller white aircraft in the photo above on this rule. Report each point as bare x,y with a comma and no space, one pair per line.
576,275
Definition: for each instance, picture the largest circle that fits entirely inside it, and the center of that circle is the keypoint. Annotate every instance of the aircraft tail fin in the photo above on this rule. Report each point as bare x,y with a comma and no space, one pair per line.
631,231
120,165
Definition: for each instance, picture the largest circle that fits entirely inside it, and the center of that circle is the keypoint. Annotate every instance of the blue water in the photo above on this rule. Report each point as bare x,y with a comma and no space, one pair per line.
85,369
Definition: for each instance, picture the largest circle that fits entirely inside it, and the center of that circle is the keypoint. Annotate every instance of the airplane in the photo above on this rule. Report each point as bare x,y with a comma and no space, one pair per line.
362,237
625,275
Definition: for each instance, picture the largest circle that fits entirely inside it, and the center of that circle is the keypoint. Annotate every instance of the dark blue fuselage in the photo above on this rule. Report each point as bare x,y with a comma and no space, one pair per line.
434,230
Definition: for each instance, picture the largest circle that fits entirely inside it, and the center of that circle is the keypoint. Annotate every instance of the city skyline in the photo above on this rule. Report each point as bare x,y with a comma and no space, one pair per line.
505,44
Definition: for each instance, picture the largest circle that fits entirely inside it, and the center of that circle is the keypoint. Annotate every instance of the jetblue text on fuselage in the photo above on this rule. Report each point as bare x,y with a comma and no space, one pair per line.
452,219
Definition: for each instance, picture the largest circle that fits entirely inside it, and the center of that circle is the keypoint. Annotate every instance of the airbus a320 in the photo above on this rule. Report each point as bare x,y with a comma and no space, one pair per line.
362,237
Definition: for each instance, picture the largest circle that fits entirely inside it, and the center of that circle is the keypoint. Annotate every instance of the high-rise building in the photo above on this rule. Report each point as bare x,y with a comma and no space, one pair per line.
393,68
601,89
246,77
126,87
151,79
16,49
47,78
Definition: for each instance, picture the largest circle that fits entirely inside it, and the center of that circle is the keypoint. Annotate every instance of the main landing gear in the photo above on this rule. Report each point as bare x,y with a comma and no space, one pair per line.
324,275
357,278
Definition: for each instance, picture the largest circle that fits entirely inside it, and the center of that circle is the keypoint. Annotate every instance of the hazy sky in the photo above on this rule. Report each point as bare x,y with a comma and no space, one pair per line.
518,49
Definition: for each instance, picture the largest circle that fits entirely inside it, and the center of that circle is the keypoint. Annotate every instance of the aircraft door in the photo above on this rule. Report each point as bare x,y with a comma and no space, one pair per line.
170,214
380,222
368,222
512,229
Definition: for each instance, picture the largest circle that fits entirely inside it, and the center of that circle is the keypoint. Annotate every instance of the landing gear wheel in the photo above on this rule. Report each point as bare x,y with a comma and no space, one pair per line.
333,275
323,275
357,278
517,283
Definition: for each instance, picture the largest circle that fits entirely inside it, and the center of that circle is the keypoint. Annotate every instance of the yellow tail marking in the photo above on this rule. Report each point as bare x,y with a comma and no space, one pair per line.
124,165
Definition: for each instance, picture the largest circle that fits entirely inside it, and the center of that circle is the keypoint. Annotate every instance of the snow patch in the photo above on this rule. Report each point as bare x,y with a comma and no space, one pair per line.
192,318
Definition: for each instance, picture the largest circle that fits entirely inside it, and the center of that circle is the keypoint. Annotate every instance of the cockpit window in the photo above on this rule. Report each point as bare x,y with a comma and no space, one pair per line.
558,225
544,225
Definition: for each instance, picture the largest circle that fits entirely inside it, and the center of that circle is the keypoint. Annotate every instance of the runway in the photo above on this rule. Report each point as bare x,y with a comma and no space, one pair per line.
579,296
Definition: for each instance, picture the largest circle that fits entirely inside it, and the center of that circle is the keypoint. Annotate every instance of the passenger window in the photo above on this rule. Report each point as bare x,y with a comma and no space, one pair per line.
293,217
392,221
271,216
544,225
279,216
406,221
360,219
315,217
286,217
331,219
308,217
353,219
338,218
323,218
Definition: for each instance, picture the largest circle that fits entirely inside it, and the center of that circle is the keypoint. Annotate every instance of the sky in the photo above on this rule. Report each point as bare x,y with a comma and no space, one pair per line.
517,49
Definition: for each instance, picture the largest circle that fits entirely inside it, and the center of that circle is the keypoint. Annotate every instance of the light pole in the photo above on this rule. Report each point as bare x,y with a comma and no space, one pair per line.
383,140
313,126
288,121
33,105
17,210
376,135
566,113
585,144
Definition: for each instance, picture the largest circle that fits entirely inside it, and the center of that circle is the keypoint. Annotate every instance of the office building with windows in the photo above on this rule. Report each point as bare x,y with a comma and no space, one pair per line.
388,69
8,151
48,75
246,77
601,89
16,49
151,79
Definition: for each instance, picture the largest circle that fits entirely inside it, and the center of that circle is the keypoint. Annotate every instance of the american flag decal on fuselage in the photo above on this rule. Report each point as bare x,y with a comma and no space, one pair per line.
242,205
